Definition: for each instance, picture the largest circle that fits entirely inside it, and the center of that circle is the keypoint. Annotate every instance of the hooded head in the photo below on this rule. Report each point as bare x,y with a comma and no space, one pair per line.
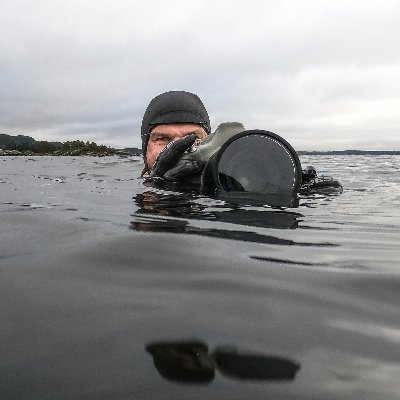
175,107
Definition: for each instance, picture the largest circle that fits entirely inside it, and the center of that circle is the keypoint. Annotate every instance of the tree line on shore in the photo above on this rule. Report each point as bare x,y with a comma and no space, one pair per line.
25,145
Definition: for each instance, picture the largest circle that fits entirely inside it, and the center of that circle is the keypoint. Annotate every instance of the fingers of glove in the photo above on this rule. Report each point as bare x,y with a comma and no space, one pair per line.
170,155
183,170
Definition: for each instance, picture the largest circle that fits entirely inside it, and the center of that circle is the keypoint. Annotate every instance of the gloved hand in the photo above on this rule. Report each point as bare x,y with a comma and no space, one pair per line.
309,174
169,166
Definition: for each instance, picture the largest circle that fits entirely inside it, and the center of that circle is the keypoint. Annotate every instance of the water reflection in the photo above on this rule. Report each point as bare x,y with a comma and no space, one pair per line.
192,362
172,212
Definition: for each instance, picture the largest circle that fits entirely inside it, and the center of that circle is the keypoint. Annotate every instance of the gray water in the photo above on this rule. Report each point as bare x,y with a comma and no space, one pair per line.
111,289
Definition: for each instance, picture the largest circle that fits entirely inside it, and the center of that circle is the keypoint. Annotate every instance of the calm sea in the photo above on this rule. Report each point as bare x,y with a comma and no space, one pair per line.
110,289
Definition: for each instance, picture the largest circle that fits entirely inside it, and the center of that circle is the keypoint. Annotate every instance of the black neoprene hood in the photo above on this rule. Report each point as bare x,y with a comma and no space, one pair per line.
175,107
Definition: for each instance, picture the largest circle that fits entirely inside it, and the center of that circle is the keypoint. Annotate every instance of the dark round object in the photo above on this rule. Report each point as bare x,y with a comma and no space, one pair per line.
256,161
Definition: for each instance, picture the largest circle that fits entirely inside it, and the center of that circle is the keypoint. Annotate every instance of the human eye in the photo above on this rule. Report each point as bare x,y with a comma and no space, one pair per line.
160,139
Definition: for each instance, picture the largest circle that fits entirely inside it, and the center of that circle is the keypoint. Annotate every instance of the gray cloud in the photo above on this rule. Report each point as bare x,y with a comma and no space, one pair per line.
321,74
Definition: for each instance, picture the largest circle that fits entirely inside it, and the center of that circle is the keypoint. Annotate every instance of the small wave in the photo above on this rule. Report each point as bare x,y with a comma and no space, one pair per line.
32,205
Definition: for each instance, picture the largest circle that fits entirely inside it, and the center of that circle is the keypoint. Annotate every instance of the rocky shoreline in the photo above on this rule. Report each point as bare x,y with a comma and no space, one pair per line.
27,146
75,152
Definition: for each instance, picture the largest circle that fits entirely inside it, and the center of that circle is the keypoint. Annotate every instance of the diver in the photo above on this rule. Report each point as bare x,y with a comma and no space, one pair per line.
172,123
179,147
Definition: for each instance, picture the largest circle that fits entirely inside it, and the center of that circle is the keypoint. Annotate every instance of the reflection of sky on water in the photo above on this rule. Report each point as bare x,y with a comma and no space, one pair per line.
372,331
342,374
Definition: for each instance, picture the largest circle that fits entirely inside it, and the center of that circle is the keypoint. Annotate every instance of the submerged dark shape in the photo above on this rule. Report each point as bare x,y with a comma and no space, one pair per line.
191,362
255,366
186,362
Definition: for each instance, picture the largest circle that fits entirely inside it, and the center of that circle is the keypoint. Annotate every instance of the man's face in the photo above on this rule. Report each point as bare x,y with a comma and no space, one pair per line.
161,135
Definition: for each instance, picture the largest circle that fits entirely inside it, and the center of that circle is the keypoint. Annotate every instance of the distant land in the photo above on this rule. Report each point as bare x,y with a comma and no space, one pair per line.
11,145
21,145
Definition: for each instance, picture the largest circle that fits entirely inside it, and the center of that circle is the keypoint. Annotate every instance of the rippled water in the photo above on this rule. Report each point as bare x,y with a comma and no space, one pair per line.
111,289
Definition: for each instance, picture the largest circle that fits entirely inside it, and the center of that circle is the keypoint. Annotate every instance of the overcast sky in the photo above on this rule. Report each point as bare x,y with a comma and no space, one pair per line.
323,74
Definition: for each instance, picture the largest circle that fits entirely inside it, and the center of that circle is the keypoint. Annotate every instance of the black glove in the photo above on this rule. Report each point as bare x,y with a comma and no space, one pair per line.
168,165
309,174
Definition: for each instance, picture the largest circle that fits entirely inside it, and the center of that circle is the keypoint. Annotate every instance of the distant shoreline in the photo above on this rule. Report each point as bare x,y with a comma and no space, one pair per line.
72,153
27,146
21,145
111,152
137,152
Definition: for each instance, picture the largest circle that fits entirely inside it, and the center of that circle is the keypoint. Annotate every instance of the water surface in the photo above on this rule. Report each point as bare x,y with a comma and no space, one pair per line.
111,289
